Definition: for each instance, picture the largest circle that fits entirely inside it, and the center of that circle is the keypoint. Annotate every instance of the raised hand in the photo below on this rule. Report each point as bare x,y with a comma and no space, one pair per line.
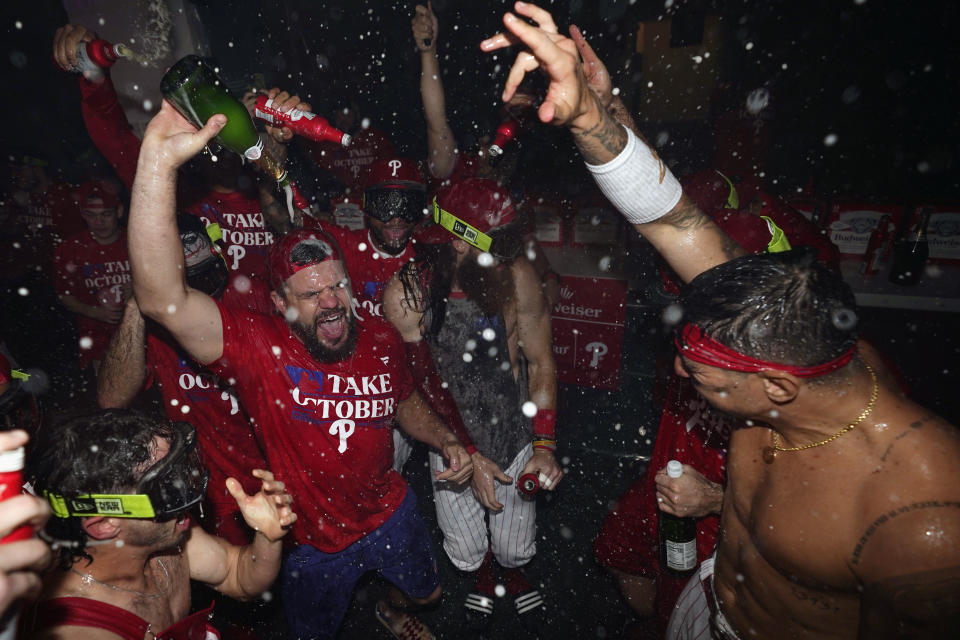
425,28
283,102
170,139
569,101
268,511
598,78
486,473
65,42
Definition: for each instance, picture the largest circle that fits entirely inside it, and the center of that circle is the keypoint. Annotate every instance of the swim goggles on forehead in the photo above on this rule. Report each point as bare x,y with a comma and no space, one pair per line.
176,483
503,242
387,203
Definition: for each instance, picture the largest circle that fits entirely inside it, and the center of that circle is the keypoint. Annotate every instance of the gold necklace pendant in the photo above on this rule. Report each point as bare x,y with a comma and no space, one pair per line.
770,452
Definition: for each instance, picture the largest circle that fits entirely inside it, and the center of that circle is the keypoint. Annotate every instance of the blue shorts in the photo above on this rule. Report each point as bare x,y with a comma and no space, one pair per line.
318,586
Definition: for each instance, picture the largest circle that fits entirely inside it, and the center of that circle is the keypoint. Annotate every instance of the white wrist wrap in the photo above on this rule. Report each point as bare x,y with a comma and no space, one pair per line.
637,182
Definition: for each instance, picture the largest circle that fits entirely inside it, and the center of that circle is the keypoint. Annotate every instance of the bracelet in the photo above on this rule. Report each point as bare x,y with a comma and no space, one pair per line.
545,444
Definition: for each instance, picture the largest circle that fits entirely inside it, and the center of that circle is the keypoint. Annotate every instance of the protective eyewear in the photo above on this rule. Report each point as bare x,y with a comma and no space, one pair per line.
385,204
176,483
503,243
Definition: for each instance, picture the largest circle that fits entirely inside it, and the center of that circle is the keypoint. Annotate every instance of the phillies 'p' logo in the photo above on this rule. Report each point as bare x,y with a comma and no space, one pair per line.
395,165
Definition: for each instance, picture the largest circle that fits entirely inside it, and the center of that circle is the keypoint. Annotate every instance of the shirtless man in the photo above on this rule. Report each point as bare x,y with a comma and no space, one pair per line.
841,517
121,485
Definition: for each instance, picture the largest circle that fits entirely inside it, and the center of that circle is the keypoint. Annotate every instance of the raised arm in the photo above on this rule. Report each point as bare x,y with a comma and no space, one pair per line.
156,253
124,367
628,172
441,145
105,119
245,572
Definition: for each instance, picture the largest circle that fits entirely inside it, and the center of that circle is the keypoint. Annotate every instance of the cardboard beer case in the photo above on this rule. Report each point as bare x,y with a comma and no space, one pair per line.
851,222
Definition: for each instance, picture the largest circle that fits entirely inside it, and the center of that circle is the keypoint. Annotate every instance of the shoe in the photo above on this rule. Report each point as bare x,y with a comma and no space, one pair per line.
478,610
531,610
403,626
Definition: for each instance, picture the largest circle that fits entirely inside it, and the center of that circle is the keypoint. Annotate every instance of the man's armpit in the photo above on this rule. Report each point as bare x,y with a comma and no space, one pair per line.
915,605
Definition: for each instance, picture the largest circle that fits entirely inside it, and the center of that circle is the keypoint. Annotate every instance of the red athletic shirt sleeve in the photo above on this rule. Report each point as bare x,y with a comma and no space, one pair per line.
109,128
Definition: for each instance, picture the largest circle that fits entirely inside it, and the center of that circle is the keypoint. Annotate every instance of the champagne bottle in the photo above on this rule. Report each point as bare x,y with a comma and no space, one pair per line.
911,252
195,90
678,536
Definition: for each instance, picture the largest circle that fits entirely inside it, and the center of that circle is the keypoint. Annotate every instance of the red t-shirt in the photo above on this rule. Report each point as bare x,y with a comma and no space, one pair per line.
239,215
94,274
349,164
245,237
369,269
327,429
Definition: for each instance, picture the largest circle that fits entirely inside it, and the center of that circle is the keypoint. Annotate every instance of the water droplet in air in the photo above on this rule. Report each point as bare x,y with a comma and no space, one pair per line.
529,409
86,342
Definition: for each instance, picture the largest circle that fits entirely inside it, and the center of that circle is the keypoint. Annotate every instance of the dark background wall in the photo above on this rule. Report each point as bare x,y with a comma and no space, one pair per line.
878,75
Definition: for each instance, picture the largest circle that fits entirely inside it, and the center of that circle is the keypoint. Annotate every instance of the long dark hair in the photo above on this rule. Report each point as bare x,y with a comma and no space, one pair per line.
427,281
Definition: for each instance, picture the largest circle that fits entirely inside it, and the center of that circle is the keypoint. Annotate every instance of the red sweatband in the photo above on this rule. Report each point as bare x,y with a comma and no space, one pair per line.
545,424
693,343
420,362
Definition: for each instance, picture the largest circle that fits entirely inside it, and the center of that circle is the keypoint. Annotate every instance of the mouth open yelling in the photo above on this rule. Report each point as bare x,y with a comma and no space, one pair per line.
332,325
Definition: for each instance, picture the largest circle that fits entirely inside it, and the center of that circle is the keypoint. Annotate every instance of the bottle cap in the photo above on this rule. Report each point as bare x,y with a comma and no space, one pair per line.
674,469
12,460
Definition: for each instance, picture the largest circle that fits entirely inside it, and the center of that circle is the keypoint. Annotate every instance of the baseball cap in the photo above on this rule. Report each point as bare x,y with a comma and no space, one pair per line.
481,213
97,194
394,189
298,250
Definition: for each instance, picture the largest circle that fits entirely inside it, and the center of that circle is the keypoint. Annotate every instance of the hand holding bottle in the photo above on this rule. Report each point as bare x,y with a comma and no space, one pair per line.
425,26
170,140
283,102
689,496
65,42
20,561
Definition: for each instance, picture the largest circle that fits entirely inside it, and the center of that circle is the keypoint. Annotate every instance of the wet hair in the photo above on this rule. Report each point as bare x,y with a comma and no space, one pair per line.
428,280
99,452
779,307
309,251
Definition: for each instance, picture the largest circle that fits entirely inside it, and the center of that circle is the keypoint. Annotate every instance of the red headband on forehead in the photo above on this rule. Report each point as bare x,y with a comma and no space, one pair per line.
283,265
693,343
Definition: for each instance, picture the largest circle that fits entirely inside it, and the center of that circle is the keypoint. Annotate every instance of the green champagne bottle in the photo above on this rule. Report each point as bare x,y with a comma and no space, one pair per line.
196,91
678,536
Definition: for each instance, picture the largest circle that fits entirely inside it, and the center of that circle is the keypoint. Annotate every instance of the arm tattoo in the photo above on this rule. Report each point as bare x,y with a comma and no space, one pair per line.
890,515
608,134
686,215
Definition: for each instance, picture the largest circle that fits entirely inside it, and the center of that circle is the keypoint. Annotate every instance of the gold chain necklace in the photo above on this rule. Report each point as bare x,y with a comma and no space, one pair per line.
770,453
87,578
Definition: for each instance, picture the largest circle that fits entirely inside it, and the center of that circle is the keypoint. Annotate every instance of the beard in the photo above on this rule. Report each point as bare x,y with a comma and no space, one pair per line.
489,288
320,352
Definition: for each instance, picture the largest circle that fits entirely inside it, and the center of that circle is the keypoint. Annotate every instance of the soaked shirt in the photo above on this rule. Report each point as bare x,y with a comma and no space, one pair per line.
481,381
326,429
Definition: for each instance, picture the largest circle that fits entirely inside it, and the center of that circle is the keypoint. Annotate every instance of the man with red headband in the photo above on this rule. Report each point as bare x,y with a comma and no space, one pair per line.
841,516
323,391
92,271
473,305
